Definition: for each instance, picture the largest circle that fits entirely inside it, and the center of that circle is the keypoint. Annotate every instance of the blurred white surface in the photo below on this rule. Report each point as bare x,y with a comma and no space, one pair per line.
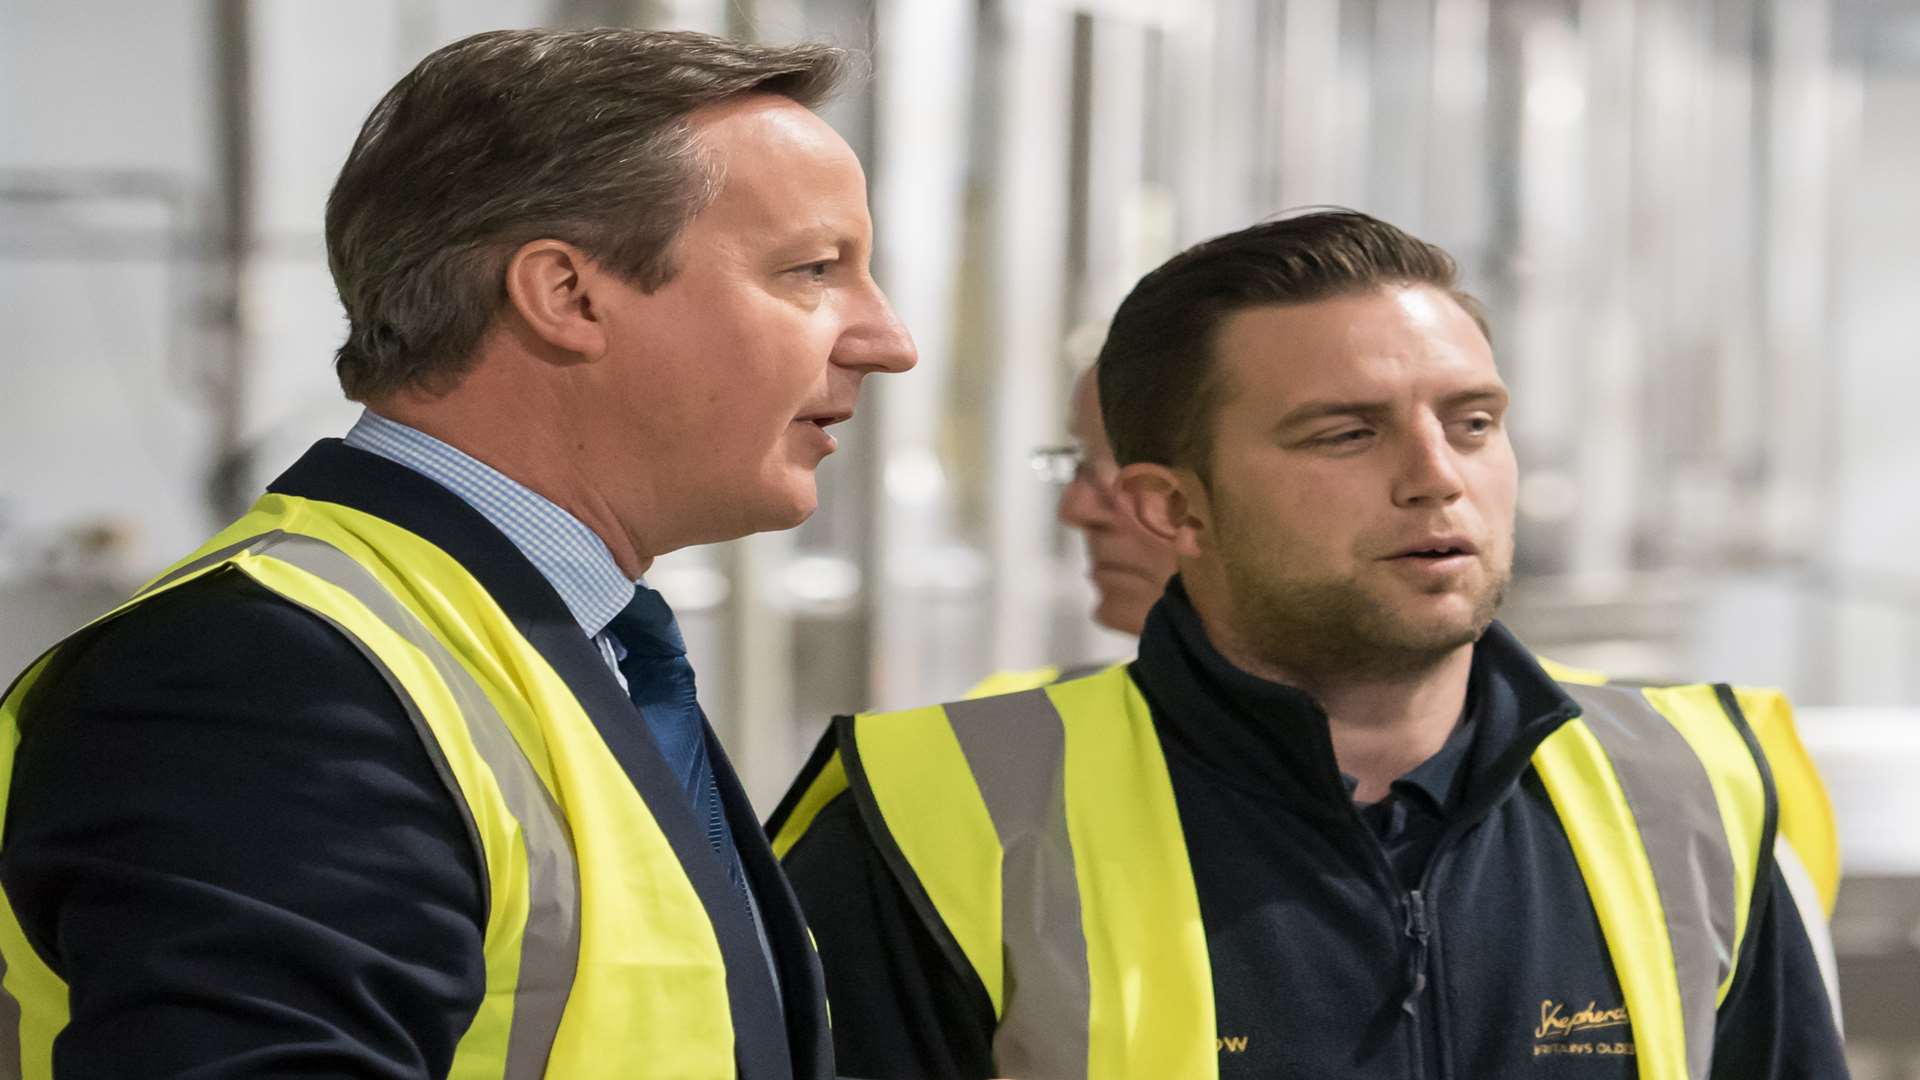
1870,759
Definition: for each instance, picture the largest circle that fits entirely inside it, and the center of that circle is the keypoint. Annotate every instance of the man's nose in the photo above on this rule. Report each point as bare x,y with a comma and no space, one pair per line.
875,339
1429,471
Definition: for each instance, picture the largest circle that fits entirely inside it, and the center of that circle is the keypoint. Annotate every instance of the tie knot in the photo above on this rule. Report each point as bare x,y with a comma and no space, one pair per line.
646,626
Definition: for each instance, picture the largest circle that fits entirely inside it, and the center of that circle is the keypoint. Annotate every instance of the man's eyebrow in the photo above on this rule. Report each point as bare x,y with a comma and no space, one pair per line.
1320,410
818,234
1492,394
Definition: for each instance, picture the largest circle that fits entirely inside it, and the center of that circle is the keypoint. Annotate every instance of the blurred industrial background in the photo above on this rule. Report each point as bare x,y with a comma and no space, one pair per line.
1696,224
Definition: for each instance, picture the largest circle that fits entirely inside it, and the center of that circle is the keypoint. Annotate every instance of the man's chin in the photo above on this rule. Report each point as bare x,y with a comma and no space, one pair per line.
791,514
790,495
1447,628
1124,612
764,511
1439,638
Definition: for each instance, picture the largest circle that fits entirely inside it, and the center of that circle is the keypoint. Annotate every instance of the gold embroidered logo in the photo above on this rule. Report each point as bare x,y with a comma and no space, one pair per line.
1561,1031
1555,1021
1231,1044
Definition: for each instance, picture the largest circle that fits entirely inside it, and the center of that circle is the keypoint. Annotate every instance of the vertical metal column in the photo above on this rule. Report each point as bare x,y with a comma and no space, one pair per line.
1603,370
1540,96
1116,162
1812,146
229,486
1206,162
1456,202
1797,224
924,88
1400,136
1311,112
1703,314
1029,251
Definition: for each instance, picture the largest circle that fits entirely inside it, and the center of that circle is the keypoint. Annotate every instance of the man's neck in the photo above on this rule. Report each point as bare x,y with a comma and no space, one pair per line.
1383,724
499,430
1384,728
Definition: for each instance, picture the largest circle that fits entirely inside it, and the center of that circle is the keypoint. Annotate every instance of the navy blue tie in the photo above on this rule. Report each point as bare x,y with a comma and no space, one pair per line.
660,681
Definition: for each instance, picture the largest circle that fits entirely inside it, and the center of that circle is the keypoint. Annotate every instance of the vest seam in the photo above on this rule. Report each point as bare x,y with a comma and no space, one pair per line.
1763,869
903,874
803,783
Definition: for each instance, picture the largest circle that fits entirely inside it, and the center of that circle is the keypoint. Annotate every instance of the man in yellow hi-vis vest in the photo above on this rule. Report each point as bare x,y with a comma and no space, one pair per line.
1334,820
403,773
1130,568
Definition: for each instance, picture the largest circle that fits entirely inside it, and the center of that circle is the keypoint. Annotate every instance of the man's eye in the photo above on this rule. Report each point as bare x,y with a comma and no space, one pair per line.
816,271
1341,438
1477,425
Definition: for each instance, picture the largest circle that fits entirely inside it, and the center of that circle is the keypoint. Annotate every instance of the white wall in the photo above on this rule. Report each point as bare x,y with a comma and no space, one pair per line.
102,417
1876,496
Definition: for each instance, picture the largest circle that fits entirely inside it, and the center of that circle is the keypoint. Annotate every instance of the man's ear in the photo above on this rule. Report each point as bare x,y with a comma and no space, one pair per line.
550,287
1169,503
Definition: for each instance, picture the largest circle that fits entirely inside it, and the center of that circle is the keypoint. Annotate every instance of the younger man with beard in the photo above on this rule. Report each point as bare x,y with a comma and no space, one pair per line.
1334,821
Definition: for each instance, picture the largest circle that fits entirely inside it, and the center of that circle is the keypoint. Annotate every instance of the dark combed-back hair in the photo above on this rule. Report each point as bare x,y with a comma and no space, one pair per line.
516,135
1159,388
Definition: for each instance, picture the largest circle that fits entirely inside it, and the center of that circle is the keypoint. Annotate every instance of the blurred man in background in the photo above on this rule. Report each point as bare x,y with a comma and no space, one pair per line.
403,774
1335,820
1129,566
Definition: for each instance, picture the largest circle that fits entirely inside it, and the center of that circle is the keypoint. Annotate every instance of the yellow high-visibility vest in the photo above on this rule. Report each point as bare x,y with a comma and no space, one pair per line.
1041,827
1809,836
600,958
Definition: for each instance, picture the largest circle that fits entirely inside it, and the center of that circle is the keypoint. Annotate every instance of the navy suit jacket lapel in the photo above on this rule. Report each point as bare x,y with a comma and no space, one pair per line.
802,982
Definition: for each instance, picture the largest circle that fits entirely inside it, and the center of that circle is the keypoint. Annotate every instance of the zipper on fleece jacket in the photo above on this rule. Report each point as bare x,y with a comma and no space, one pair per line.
1417,905
1414,926
1421,903
1421,933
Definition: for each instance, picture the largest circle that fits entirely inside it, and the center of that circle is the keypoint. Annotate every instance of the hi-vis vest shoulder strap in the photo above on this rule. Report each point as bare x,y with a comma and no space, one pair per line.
1666,801
1808,842
598,951
1806,846
1039,830
1009,682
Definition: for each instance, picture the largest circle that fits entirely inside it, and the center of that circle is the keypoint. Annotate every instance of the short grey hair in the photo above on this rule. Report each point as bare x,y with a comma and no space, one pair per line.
516,135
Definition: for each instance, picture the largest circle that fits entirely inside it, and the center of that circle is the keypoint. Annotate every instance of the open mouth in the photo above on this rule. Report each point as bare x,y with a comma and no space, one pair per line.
1437,549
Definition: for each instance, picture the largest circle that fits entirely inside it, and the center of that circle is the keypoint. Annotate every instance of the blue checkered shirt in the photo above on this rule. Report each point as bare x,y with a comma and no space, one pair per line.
573,559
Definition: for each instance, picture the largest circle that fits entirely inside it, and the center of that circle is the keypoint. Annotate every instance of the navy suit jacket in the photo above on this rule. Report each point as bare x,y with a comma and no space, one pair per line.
225,835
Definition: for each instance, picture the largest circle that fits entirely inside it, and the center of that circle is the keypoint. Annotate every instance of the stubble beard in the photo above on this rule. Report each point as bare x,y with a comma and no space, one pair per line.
1333,628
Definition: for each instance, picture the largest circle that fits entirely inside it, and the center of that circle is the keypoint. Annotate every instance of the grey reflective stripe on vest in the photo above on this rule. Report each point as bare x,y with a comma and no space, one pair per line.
1667,788
211,558
550,945
1016,747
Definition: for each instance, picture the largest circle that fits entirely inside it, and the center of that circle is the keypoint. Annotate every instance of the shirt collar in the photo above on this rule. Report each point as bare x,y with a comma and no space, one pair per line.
569,555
